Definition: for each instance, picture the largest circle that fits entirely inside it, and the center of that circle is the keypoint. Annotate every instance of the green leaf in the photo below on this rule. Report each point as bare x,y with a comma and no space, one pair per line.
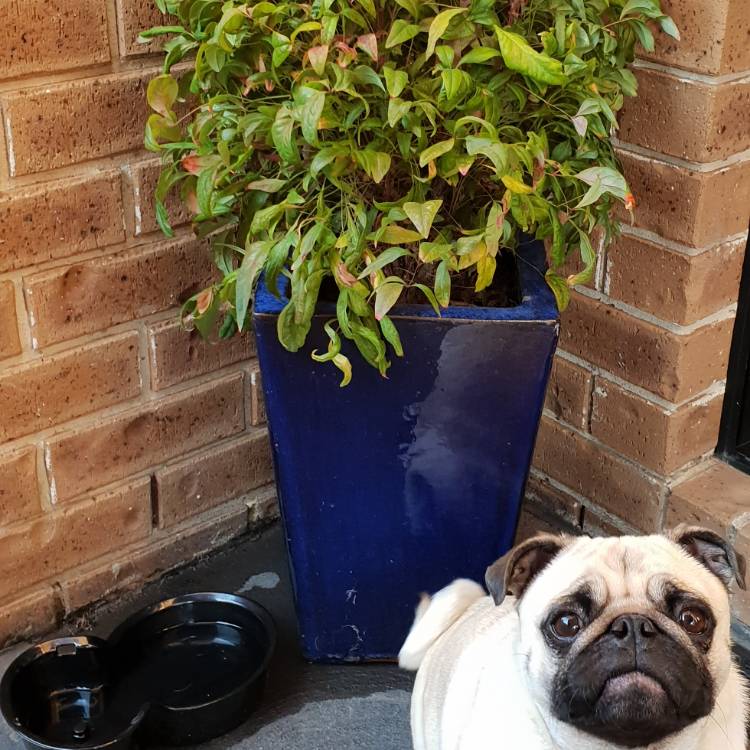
485,272
605,180
149,34
395,80
559,288
422,215
390,334
648,8
439,26
385,258
282,134
495,151
668,26
588,256
401,32
521,57
161,94
479,55
456,83
386,295
310,114
435,151
393,234
291,335
247,275
397,108
443,284
645,37
266,186
162,219
430,295
375,163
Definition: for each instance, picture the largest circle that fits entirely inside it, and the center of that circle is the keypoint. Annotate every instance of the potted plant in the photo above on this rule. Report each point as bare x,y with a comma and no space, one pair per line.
398,186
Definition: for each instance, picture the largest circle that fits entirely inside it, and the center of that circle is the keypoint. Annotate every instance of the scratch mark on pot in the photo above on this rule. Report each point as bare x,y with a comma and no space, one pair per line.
267,580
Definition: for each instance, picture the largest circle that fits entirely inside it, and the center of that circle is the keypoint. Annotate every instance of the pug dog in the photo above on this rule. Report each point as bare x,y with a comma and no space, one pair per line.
583,644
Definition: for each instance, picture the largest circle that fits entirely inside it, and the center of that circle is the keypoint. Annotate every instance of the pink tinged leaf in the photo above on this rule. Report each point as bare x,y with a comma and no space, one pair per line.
347,279
204,300
318,57
191,163
369,44
581,125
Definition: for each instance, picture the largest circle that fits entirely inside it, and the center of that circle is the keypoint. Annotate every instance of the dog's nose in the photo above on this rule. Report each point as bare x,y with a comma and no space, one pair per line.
633,626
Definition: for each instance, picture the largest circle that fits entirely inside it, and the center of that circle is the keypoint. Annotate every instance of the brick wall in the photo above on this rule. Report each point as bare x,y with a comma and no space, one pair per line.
633,411
126,446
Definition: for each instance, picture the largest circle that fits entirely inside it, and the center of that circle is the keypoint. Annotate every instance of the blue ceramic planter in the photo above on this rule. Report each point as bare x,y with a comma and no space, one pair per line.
391,487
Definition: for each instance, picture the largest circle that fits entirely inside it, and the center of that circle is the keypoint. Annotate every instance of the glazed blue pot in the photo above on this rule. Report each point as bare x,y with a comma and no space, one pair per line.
392,487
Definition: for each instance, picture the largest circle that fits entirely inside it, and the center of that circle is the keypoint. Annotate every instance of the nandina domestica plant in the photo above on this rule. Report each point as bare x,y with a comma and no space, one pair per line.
387,148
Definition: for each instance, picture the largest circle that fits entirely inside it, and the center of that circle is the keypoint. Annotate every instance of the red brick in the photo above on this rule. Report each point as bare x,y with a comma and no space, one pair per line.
695,208
70,536
34,613
713,498
59,219
672,365
714,36
19,488
57,388
689,287
221,473
569,393
10,343
687,119
133,17
255,398
660,439
597,524
554,500
72,122
177,355
95,294
607,480
144,176
163,553
128,443
43,37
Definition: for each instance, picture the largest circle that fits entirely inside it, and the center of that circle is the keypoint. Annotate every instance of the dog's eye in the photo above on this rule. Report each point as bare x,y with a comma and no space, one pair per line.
693,621
567,625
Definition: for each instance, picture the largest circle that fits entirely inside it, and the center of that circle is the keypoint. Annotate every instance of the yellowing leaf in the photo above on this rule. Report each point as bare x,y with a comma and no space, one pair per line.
386,296
422,215
516,186
318,57
394,235
520,56
439,26
161,94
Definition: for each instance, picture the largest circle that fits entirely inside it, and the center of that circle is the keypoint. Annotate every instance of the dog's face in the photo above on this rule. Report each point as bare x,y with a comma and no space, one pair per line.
626,639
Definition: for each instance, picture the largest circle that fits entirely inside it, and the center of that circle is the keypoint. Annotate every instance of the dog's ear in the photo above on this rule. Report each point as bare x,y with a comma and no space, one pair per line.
512,573
712,551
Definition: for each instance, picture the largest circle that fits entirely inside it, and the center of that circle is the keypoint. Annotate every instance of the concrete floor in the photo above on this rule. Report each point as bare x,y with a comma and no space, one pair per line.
306,707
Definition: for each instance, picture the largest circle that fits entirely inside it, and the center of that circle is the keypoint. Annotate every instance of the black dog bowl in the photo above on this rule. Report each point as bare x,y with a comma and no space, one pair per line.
180,672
